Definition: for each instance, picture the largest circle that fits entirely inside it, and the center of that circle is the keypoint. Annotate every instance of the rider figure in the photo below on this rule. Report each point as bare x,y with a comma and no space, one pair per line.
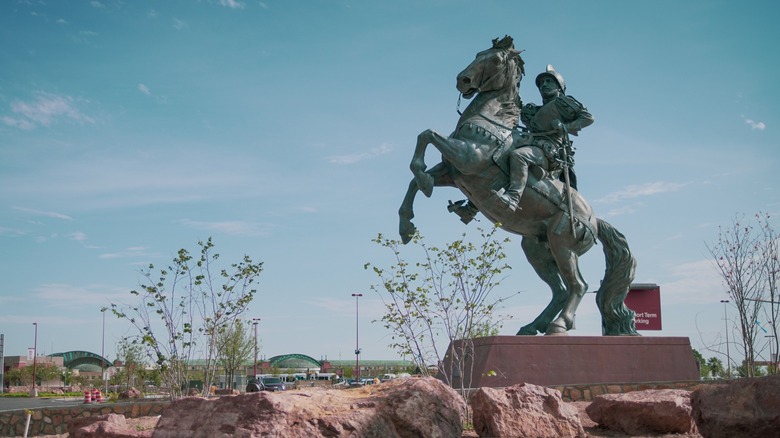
547,124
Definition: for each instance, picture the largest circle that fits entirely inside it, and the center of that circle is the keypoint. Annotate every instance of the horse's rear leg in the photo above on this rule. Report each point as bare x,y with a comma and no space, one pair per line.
568,265
543,262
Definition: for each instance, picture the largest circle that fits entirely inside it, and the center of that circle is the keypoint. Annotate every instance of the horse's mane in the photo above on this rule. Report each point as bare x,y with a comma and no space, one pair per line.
510,110
508,44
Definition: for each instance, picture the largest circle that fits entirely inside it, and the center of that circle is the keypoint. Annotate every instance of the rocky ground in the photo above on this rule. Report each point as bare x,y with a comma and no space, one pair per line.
591,428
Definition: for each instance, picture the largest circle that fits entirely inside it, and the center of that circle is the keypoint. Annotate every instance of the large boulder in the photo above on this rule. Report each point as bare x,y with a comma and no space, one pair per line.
130,394
103,426
649,411
740,408
524,410
419,407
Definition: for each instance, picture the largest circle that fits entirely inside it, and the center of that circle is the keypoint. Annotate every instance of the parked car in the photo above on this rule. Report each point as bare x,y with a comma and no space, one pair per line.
272,384
254,385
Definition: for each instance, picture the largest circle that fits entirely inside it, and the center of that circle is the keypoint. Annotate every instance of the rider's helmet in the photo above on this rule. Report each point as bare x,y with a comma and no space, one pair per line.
551,72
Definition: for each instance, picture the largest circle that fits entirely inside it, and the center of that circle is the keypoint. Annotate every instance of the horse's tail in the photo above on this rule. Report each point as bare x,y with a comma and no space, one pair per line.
616,318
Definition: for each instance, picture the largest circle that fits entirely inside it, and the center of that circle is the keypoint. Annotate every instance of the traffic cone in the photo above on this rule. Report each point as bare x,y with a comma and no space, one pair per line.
87,397
99,396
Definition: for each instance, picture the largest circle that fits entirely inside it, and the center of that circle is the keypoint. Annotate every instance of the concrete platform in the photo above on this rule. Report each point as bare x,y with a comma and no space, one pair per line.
573,360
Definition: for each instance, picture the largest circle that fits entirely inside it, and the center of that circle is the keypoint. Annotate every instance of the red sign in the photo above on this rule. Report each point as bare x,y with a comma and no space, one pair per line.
645,300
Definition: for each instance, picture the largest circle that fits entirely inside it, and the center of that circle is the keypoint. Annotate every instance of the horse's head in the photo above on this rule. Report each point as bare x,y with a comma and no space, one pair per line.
493,69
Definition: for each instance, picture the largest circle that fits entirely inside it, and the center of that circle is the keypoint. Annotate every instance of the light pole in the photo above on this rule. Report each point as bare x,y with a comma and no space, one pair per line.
255,321
34,391
726,320
103,351
357,340
772,356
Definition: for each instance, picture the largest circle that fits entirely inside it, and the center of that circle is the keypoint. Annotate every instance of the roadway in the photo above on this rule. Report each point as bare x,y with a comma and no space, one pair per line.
19,403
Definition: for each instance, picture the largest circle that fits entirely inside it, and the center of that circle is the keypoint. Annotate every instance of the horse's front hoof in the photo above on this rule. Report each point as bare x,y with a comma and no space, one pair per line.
556,329
527,330
406,230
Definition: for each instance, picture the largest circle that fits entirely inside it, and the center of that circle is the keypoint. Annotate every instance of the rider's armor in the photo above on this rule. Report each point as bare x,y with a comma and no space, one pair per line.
538,120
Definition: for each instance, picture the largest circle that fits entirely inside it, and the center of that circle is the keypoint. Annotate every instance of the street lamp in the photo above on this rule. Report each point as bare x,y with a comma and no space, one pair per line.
103,351
725,319
34,391
255,321
357,340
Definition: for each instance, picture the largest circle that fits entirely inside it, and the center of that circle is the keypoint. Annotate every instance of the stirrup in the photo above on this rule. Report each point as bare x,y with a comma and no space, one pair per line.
511,201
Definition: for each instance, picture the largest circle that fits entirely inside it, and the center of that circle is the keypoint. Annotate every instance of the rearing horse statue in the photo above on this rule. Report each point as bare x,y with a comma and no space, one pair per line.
556,222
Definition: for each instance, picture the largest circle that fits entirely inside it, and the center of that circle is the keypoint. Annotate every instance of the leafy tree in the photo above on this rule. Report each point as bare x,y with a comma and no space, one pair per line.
769,248
711,368
704,369
744,370
43,373
185,307
738,256
133,370
717,370
236,346
14,377
445,296
47,373
76,379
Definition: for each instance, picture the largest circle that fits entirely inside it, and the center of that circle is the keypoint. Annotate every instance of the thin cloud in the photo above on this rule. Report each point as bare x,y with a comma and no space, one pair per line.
129,178
96,4
18,123
48,321
143,88
50,214
355,158
66,295
636,191
233,228
622,211
760,126
179,24
130,252
44,110
232,4
78,236
4,231
695,283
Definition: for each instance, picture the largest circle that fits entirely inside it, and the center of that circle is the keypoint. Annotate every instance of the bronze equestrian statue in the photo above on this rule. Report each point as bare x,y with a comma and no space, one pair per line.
556,223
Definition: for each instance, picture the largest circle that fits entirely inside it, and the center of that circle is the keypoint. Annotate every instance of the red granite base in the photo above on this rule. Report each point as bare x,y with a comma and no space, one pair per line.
574,360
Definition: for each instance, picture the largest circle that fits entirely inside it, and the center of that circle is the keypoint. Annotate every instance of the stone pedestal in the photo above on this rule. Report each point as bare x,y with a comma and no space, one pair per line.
501,361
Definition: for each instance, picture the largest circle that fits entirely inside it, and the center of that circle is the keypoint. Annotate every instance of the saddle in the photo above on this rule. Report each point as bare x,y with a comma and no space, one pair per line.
520,139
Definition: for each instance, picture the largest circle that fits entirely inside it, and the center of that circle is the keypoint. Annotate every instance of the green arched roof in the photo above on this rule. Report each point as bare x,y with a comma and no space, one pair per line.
75,359
294,361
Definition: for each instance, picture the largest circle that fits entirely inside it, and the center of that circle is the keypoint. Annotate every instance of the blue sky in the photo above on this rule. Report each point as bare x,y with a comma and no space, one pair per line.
284,130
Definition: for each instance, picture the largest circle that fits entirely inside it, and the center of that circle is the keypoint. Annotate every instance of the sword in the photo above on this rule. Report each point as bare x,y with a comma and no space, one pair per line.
565,146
